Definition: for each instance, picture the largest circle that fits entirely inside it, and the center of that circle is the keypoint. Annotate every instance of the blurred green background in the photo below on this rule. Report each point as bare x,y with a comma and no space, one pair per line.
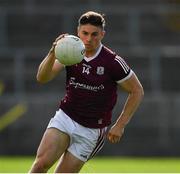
102,165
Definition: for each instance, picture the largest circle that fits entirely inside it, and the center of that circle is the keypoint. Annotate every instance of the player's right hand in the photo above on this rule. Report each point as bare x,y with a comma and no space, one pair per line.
55,42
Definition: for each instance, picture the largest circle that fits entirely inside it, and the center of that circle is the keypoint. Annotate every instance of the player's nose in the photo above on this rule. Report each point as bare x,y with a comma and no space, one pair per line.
89,38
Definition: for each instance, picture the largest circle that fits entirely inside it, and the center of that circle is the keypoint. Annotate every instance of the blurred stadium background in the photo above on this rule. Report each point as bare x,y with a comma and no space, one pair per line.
145,32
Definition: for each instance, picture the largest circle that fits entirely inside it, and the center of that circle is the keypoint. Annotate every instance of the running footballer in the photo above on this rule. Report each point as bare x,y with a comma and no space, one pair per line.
80,126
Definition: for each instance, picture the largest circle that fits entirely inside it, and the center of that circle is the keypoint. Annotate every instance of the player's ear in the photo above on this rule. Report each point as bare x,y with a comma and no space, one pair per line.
102,34
78,31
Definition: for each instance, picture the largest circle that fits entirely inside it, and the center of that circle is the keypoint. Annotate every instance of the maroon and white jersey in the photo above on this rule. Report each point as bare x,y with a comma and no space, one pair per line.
91,88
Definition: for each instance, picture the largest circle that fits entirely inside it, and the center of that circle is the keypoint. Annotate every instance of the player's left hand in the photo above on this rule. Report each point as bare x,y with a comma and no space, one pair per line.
115,133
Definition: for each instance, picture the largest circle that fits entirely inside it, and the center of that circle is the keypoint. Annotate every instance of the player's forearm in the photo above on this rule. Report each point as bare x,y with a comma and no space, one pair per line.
133,101
45,69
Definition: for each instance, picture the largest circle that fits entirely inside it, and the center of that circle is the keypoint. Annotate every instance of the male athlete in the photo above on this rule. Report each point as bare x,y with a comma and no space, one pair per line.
78,129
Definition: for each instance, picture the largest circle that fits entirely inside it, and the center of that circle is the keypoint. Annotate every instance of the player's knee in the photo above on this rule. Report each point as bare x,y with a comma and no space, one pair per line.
41,165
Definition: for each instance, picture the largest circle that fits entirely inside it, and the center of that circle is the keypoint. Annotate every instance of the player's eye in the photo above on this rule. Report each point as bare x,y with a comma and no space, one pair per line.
94,34
85,33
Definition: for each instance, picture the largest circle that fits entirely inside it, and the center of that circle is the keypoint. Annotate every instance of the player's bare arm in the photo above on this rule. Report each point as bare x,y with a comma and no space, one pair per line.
50,66
136,93
48,69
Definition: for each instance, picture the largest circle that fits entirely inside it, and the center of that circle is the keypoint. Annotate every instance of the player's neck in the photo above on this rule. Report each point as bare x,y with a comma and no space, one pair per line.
91,53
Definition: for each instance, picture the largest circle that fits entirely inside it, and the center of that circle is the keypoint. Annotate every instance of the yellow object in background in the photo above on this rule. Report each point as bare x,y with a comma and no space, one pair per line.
12,115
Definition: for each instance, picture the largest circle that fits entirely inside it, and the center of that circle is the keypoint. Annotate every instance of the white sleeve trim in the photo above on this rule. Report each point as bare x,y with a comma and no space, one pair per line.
127,77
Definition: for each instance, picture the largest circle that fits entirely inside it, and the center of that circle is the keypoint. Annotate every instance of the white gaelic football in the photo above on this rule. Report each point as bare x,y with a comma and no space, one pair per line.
70,50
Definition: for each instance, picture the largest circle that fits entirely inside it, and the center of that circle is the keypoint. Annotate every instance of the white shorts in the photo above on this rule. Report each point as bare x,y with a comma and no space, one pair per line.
84,142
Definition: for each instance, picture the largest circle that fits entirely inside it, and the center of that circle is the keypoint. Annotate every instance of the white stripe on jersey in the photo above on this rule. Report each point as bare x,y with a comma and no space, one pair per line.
122,63
127,77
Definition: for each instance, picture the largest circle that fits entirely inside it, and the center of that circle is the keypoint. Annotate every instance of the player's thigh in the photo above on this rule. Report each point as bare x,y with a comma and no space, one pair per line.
69,164
53,145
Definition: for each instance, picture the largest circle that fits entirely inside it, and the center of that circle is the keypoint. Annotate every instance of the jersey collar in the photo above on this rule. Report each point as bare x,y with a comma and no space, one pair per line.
87,59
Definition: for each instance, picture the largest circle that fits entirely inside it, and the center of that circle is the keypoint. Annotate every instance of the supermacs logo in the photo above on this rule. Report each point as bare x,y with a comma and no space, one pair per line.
85,86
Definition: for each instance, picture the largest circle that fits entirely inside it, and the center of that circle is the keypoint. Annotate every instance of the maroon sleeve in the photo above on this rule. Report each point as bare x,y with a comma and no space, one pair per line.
119,69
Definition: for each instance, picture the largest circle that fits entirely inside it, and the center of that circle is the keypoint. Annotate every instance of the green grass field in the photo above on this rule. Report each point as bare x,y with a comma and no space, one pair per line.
102,165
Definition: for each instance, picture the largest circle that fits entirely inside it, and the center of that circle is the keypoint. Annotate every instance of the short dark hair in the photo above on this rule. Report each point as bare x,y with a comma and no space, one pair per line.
92,18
